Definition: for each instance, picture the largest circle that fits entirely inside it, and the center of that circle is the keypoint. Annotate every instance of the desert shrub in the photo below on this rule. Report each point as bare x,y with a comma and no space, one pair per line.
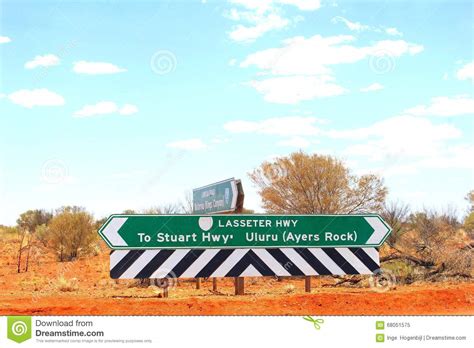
404,272
459,263
71,233
433,231
433,249
469,225
8,231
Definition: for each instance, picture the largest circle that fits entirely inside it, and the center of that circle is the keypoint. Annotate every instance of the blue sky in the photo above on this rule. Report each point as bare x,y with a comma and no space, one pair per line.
126,104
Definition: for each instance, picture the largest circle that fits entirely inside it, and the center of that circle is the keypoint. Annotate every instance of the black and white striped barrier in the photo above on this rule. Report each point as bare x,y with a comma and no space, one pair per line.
203,263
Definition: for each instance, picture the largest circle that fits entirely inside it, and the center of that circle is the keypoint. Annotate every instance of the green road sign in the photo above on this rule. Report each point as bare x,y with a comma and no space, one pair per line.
243,231
219,197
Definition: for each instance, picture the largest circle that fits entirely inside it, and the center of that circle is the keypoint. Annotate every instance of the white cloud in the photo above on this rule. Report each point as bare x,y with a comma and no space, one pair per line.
188,144
128,109
395,126
232,62
96,68
407,144
101,108
260,17
359,27
36,97
44,61
293,89
283,126
393,31
303,5
261,6
314,55
445,107
447,157
306,65
373,87
354,26
4,39
105,108
453,157
257,6
219,140
466,72
265,24
398,139
298,142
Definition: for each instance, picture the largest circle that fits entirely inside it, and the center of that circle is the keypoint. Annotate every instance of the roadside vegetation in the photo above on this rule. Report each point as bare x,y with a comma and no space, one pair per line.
425,245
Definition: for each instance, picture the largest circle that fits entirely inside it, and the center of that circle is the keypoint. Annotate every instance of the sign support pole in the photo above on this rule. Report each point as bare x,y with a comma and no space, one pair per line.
307,284
163,284
239,282
214,284
239,285
198,283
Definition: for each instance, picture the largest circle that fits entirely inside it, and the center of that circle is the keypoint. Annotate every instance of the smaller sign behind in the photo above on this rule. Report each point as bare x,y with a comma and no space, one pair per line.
219,197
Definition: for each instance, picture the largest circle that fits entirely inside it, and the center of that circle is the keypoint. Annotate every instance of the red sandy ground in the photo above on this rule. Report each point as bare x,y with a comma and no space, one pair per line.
83,287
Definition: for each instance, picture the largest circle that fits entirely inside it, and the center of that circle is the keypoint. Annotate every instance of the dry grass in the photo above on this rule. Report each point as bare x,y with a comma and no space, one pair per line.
290,288
67,285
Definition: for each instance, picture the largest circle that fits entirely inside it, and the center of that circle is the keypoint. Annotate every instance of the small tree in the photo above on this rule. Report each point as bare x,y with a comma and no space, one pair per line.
316,184
27,225
71,232
470,199
129,211
164,209
187,203
396,215
42,234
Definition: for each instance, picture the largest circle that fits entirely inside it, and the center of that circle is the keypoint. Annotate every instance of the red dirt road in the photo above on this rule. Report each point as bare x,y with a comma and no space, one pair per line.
413,300
84,287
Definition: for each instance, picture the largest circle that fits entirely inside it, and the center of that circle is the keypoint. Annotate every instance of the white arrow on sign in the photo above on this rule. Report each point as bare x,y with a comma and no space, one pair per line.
111,231
380,230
